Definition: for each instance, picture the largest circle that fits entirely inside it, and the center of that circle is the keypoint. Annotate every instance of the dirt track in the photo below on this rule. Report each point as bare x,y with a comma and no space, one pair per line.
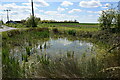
6,28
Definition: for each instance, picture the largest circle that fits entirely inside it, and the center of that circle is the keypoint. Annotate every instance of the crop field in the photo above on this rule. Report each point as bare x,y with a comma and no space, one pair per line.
70,26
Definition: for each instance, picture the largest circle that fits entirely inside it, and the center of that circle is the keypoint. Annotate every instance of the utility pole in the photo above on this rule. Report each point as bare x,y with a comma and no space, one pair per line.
1,19
119,5
7,14
119,15
33,20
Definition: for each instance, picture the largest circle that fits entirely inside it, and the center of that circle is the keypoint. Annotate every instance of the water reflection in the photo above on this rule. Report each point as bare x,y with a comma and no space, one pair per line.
63,45
54,47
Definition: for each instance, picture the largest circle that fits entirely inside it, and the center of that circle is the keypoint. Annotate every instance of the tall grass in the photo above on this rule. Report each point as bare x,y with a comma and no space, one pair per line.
11,65
68,67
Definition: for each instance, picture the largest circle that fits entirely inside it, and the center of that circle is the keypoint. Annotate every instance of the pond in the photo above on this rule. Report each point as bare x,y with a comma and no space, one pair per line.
54,47
36,55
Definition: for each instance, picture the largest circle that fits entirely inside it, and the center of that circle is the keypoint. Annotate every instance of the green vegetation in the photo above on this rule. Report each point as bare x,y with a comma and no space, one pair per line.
110,20
18,25
1,22
72,32
11,67
29,21
22,58
54,21
68,66
71,26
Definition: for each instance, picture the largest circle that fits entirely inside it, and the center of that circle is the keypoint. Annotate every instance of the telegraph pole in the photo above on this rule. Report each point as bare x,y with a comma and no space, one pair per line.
119,15
7,10
119,5
33,20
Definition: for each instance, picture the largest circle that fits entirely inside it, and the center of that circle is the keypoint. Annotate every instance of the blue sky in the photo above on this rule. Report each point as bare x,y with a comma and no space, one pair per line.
84,11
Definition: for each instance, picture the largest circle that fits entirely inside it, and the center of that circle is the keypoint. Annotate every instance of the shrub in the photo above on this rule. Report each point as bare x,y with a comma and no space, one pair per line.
106,19
55,30
29,22
109,20
72,32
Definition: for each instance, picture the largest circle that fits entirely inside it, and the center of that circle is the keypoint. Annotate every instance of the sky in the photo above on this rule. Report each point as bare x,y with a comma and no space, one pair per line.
84,11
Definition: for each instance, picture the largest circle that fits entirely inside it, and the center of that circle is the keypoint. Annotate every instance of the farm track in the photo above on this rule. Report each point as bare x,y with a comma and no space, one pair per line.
6,28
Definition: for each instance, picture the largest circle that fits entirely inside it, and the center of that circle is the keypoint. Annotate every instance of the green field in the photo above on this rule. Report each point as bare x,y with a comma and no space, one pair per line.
69,26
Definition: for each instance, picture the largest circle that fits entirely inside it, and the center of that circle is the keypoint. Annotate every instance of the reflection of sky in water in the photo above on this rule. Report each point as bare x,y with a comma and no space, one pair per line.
55,47
62,45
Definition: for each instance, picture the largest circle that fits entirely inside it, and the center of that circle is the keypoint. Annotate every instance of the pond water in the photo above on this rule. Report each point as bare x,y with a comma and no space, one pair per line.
54,47
62,45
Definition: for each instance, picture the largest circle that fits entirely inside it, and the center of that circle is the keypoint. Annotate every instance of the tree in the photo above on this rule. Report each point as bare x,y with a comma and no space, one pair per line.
23,21
75,20
1,22
29,21
107,19
117,19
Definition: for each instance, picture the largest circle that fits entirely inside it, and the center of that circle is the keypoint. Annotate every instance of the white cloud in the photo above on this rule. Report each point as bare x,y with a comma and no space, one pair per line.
17,12
92,11
41,10
66,8
14,7
91,15
51,12
40,3
27,4
90,4
106,5
75,10
60,9
2,13
66,3
55,15
97,12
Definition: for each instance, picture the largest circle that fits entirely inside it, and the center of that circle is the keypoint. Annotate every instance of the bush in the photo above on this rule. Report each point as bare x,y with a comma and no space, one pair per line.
29,22
55,30
106,19
109,20
72,32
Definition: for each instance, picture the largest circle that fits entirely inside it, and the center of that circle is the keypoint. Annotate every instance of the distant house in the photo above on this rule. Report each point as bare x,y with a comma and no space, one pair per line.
11,22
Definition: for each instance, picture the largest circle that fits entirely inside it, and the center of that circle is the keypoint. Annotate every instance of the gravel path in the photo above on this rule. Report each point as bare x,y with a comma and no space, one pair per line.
5,28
